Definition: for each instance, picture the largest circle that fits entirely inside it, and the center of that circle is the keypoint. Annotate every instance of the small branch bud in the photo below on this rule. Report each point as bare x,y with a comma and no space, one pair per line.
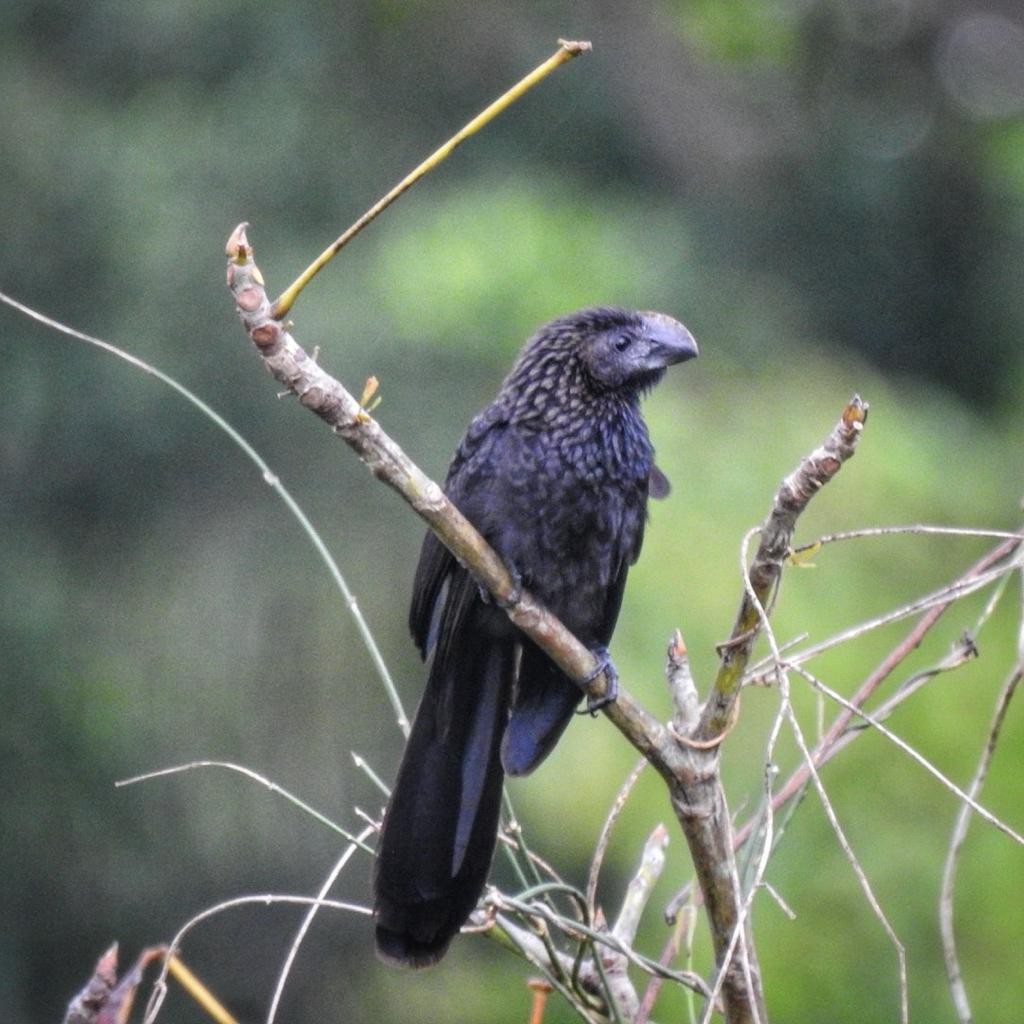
682,689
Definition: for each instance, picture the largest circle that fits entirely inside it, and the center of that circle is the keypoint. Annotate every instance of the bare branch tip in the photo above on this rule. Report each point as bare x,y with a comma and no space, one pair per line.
856,412
574,47
676,646
107,964
237,248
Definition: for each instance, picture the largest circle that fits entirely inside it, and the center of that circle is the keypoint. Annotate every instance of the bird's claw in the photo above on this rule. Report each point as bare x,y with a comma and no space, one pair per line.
517,590
513,599
611,688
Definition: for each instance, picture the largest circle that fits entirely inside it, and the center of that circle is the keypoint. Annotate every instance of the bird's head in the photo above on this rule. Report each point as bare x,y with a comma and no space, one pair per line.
622,349
601,351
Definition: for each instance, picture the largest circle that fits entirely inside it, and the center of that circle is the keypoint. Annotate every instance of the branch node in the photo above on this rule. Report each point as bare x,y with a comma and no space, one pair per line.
266,336
683,740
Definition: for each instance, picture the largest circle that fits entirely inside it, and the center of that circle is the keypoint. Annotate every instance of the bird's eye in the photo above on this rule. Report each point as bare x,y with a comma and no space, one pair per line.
622,342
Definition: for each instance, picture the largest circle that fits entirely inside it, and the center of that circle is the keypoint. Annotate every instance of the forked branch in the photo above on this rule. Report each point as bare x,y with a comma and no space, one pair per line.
688,764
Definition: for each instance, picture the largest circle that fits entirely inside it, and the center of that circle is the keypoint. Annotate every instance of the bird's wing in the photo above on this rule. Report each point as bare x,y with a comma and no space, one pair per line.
466,485
633,536
429,592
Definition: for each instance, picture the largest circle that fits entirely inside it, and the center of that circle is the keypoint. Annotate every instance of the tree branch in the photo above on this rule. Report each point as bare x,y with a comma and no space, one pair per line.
325,396
837,735
689,765
791,499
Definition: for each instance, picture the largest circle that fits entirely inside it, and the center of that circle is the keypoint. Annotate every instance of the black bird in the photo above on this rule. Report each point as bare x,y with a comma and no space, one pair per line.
555,474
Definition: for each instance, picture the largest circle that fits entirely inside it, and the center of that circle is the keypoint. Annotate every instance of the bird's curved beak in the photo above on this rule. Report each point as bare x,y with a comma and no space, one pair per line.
670,341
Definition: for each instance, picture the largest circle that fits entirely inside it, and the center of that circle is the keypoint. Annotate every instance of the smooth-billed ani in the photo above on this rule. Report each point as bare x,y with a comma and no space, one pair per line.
555,474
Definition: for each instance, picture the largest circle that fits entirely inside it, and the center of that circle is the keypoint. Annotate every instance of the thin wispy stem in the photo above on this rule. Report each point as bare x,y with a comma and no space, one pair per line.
915,755
307,921
159,992
269,477
256,777
958,990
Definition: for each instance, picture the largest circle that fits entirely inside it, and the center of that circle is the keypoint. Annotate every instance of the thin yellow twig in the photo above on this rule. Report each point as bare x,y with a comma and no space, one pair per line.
198,991
566,51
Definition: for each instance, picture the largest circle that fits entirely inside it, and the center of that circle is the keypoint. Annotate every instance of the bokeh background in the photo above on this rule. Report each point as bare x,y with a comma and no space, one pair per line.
829,194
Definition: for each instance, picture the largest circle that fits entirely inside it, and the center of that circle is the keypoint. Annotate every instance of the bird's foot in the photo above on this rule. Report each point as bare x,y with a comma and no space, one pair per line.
517,589
505,604
611,688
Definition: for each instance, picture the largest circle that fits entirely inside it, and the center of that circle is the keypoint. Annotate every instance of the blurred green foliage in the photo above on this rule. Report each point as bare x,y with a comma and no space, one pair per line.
830,195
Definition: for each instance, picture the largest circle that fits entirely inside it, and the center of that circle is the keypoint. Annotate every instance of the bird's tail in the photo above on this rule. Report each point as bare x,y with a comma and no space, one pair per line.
440,828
